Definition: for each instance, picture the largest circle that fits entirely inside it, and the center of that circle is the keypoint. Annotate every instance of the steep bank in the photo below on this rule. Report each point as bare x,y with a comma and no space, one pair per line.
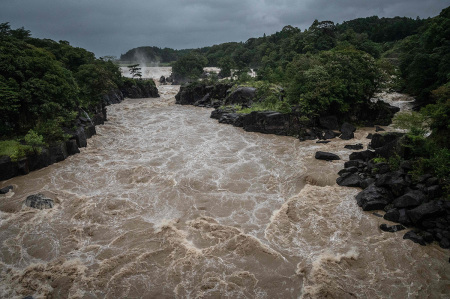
84,127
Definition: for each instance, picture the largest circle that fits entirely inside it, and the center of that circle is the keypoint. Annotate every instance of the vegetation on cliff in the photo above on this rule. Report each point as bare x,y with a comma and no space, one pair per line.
44,86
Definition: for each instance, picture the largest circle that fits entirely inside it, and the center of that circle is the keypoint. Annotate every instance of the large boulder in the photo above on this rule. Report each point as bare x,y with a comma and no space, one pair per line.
6,189
326,156
351,180
374,198
267,122
426,210
39,201
362,155
396,181
386,145
409,200
347,131
242,95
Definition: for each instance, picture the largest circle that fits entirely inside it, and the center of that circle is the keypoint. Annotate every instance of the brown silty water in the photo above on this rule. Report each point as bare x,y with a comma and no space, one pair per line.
167,203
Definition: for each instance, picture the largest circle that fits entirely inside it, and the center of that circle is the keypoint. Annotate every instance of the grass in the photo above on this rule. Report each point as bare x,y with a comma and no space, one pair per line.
14,150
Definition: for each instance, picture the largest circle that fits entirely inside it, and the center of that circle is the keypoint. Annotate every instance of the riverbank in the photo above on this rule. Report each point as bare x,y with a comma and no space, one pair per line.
83,128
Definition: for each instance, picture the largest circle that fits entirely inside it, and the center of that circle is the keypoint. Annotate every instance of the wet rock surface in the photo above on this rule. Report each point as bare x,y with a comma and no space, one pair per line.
406,201
39,201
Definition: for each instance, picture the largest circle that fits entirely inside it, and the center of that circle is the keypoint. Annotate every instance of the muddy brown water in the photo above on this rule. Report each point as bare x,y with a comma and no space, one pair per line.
168,203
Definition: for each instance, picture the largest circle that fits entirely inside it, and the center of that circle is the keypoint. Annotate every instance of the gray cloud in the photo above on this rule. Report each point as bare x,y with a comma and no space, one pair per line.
111,27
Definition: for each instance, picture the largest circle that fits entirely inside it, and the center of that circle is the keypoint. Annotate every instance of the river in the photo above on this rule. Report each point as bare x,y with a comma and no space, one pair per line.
168,203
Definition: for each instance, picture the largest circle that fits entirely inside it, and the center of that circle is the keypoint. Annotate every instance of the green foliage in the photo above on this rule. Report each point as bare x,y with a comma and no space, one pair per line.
416,124
425,57
332,80
135,71
35,140
14,149
379,160
189,66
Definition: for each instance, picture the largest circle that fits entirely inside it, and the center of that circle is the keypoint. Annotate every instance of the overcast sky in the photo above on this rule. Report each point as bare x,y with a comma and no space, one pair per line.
111,27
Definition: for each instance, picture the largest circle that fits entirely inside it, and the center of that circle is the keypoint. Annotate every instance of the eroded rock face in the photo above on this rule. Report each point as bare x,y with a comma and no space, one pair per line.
39,201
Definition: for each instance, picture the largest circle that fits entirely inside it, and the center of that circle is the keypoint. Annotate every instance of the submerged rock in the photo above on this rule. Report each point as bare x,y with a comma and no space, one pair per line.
391,229
39,201
6,189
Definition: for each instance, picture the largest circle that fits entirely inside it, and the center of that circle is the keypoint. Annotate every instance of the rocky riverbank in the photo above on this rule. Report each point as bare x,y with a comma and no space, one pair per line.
83,128
389,187
224,99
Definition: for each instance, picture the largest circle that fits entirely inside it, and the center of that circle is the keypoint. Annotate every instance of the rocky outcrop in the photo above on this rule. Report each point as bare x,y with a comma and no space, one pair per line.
406,201
223,98
39,201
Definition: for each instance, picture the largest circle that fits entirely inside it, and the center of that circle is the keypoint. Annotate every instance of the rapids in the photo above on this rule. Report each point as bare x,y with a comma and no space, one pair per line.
167,203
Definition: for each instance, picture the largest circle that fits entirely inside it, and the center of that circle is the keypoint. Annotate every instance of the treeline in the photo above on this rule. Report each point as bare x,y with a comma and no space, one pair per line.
45,86
153,54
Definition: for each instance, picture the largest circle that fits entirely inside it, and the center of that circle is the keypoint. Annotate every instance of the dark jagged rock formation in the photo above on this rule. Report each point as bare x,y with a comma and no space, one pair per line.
222,97
406,201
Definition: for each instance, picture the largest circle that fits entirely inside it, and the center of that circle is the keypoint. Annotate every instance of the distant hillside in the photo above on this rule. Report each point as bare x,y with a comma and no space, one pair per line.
152,54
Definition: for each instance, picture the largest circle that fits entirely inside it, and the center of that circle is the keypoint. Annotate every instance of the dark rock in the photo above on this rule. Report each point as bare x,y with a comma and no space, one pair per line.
329,122
58,153
349,170
394,181
424,178
38,161
322,141
347,130
391,229
328,134
374,198
231,118
385,145
367,182
162,80
6,189
432,181
242,95
409,200
378,129
352,180
426,210
80,137
413,236
363,155
355,147
434,192
267,122
381,168
90,131
369,136
427,237
114,96
39,201
444,243
326,156
428,223
352,163
23,166
72,147
392,215
8,169
403,217
378,215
